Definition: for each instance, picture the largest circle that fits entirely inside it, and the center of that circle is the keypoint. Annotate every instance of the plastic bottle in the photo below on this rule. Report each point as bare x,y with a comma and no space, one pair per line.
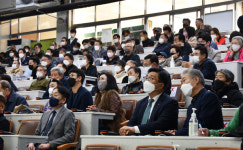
104,62
193,124
172,62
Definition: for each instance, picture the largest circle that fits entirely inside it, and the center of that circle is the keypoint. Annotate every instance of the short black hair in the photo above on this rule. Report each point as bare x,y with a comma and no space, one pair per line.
181,37
79,72
55,43
65,38
73,31
63,91
5,77
200,19
111,48
177,48
167,28
190,31
188,20
144,32
70,56
233,34
99,41
34,59
26,47
38,44
205,36
62,49
203,50
136,70
117,35
152,58
63,65
49,50
125,31
57,81
90,59
2,100
121,63
85,41
21,49
77,44
47,56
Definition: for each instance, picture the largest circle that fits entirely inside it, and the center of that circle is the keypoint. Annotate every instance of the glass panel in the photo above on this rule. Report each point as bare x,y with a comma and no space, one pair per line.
218,8
154,6
14,26
48,35
85,33
132,8
83,15
134,25
214,1
107,26
47,22
4,35
157,21
179,4
179,18
107,11
28,24
32,37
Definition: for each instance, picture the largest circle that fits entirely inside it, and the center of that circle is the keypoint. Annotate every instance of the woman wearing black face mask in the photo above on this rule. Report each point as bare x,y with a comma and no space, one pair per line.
175,52
226,89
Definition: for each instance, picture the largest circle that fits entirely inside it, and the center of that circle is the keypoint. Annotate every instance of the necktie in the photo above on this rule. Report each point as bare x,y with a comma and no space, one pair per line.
147,111
49,124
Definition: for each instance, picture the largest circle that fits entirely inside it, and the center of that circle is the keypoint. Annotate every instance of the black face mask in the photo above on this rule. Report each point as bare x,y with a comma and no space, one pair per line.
218,84
185,25
92,43
127,51
71,82
31,67
172,54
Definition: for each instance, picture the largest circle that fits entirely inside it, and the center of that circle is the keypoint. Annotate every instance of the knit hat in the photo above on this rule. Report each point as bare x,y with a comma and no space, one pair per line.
228,74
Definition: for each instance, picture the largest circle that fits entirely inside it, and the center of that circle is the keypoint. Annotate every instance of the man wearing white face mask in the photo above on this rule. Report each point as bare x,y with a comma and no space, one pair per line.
130,55
38,52
126,35
15,69
116,40
157,111
64,44
72,40
100,51
235,52
46,61
134,86
22,55
145,40
208,113
41,83
119,70
163,45
68,61
111,58
53,47
76,49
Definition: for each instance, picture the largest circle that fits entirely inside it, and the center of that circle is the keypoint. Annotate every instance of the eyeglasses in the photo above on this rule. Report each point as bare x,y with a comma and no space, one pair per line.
149,79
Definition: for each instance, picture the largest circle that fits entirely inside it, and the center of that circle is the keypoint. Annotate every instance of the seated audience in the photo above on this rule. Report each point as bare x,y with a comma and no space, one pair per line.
117,42
130,55
46,61
38,52
137,48
49,52
216,37
12,99
126,35
175,54
80,98
2,69
162,56
23,57
64,44
201,27
119,70
68,61
53,47
205,40
189,33
86,44
150,61
62,53
163,45
88,68
8,78
58,125
208,113
15,68
226,89
62,65
4,123
33,64
167,30
100,52
235,52
108,100
111,55
28,51
145,40
130,63
41,83
134,86
158,111
76,49
73,39
186,22
9,60
179,40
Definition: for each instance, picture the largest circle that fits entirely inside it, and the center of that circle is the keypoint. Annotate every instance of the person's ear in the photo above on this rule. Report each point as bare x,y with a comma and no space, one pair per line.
80,78
195,81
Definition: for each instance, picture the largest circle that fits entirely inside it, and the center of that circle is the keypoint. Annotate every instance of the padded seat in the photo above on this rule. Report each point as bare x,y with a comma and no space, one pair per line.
102,147
28,126
129,105
154,147
217,148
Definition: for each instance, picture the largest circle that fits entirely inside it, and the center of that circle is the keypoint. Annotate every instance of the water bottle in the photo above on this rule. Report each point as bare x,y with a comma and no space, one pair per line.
193,124
172,62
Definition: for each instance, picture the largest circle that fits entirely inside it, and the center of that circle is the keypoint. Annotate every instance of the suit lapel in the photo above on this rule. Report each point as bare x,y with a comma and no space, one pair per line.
156,107
45,120
57,119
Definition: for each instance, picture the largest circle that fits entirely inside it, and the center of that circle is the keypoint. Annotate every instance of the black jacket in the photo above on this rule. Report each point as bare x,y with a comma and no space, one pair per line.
4,123
133,57
69,69
90,71
112,62
148,43
132,88
186,49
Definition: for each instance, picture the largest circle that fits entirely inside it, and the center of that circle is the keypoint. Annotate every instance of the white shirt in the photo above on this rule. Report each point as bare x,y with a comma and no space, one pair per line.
152,107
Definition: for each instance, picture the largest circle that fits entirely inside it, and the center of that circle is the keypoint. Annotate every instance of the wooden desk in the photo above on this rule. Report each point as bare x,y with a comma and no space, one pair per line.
180,142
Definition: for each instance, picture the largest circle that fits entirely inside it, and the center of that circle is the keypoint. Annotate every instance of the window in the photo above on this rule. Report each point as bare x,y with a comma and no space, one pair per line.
180,4
14,26
28,24
107,11
32,37
134,25
179,18
132,8
107,26
214,1
47,21
83,15
48,35
4,34
85,33
157,21
154,6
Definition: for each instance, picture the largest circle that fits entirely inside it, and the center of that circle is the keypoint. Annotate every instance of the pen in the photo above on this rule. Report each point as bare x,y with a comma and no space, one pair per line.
200,126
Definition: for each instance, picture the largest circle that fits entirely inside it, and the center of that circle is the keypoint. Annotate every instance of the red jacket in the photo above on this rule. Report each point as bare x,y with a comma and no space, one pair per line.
226,59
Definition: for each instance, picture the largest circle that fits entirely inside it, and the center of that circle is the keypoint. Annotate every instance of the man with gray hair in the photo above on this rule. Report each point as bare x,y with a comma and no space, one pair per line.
226,89
208,113
58,74
12,99
41,83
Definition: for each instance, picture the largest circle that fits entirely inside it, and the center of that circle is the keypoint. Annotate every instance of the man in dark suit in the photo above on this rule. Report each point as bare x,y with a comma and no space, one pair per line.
158,111
58,125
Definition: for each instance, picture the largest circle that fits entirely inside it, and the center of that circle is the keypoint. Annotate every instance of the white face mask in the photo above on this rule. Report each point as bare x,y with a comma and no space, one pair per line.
72,35
75,49
131,79
123,45
14,66
61,56
97,48
50,90
161,41
110,54
52,47
26,50
195,59
11,54
127,37
187,89
15,59
83,62
43,63
39,75
86,46
21,55
117,69
115,40
66,62
48,54
148,87
235,47
1,93
127,68
213,37
63,43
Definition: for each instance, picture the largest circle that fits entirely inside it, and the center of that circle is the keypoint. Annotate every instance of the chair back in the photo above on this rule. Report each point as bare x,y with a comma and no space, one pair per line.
216,148
181,121
227,120
77,128
102,147
176,76
154,147
28,126
176,92
129,105
10,125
